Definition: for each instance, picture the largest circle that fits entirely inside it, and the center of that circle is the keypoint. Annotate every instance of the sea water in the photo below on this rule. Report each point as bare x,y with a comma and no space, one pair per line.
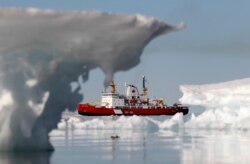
146,140
138,139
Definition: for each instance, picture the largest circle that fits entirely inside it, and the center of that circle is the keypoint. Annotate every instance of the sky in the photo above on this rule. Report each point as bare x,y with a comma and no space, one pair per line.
214,47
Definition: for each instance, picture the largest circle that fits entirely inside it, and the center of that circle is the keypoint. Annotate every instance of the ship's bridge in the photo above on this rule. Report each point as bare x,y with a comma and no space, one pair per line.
111,100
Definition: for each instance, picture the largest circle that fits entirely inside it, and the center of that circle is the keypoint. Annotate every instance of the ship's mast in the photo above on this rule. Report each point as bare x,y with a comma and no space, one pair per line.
144,88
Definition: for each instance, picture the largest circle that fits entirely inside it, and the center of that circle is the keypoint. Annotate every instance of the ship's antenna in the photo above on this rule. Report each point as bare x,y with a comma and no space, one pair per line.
125,87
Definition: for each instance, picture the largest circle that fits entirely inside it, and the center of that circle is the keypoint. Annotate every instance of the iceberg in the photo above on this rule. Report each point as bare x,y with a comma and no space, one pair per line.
227,104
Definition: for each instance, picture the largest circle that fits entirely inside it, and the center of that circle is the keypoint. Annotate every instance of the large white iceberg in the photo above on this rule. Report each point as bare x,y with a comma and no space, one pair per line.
42,51
227,104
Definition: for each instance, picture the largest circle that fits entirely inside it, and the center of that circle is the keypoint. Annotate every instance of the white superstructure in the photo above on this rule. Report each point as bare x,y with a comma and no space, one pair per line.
112,100
132,97
131,91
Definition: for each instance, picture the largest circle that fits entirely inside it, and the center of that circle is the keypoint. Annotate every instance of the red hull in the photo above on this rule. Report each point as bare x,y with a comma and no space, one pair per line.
91,110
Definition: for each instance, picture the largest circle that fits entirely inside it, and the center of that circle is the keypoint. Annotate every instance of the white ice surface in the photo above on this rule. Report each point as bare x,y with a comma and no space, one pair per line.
227,104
